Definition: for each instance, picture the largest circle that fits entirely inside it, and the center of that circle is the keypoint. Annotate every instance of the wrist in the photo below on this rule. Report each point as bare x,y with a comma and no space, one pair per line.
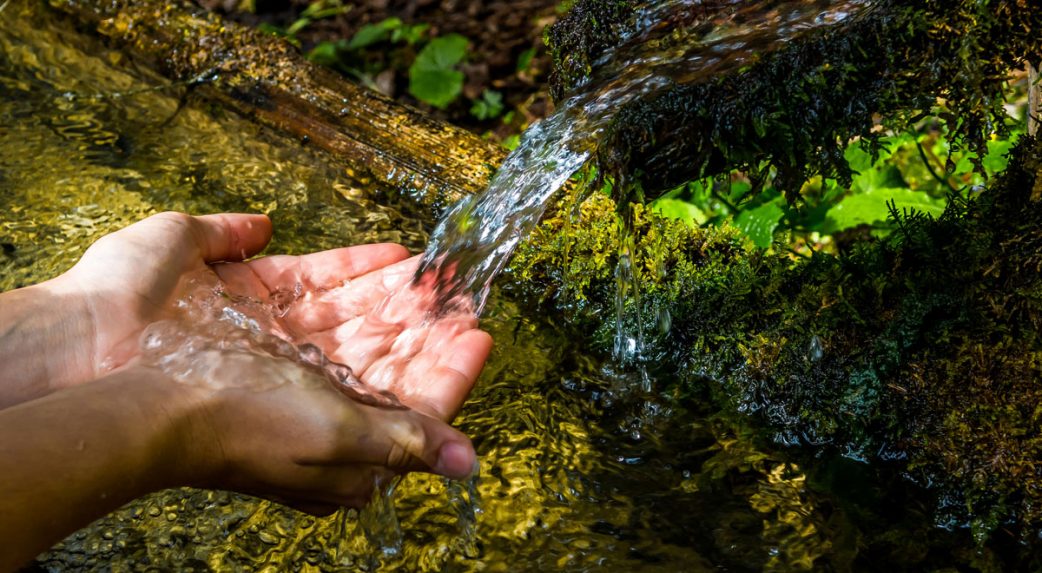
45,341
175,446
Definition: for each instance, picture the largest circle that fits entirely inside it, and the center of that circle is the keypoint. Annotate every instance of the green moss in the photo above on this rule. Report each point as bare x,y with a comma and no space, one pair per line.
586,31
924,349
793,111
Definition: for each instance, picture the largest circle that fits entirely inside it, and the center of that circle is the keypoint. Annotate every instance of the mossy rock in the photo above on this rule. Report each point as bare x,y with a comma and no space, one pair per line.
793,111
922,350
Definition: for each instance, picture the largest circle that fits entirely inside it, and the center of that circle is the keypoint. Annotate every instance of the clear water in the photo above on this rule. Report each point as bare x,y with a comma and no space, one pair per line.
565,484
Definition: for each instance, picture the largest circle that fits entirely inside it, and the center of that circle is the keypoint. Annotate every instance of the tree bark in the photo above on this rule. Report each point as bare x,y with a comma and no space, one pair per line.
261,76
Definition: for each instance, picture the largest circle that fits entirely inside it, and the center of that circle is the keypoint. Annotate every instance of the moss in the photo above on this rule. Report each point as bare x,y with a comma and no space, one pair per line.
586,31
793,111
924,349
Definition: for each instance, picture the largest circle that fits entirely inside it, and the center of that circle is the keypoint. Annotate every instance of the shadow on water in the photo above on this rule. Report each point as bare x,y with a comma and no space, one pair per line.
569,480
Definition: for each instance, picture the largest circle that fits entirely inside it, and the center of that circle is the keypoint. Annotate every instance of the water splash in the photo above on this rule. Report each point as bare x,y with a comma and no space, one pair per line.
674,42
213,331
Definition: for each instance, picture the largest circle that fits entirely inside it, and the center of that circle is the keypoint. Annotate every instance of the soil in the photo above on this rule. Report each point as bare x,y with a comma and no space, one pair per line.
499,32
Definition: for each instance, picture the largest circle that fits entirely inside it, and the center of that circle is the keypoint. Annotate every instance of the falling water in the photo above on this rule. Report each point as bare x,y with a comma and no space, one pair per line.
675,42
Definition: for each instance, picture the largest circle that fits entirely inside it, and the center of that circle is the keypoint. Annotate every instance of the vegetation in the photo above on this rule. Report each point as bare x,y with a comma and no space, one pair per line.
913,171
789,116
921,349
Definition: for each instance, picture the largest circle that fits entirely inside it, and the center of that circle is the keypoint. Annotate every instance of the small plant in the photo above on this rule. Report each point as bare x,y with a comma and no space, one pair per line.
317,10
488,106
433,76
917,172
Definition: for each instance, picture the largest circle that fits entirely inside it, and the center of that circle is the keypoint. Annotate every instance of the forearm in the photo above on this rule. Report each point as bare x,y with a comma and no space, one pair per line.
39,327
75,455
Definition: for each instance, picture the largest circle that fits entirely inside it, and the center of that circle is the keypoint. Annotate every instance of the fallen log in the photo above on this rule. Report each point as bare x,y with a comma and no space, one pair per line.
261,76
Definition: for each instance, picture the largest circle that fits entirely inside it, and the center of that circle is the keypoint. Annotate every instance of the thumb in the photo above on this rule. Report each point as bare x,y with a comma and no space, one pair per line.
412,441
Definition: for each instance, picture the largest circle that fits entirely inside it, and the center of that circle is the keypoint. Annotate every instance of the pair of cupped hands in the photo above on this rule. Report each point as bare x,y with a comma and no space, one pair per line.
270,430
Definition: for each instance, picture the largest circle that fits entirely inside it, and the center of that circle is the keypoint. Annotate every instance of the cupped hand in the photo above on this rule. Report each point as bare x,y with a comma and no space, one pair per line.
296,439
128,279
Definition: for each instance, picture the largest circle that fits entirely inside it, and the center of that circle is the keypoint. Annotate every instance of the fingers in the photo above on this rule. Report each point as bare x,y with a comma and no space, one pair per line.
229,236
396,440
447,376
415,442
326,269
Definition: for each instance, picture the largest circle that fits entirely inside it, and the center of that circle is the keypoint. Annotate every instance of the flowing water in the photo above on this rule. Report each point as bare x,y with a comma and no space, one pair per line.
90,144
674,42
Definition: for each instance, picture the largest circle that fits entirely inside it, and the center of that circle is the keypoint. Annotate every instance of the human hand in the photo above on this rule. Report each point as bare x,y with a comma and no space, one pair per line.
128,279
284,432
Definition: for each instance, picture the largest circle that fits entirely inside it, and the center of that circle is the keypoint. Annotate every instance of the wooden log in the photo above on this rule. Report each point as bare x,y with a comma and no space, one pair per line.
261,76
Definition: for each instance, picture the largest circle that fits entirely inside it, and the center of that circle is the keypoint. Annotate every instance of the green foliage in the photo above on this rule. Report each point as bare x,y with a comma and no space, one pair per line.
433,77
679,210
790,114
905,174
489,106
759,224
390,30
921,350
317,10
524,59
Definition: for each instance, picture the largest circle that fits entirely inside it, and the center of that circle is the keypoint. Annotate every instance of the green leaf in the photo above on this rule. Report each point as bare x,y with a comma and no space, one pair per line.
871,207
885,176
488,106
524,59
436,87
759,224
511,142
373,33
432,77
858,159
324,54
441,53
410,34
996,160
679,210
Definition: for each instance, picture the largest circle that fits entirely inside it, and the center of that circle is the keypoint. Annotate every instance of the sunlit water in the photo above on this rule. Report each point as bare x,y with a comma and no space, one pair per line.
564,483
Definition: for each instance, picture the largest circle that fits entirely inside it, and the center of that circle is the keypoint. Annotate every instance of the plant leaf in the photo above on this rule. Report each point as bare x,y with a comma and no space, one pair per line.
871,207
679,210
759,224
436,87
373,33
433,77
442,53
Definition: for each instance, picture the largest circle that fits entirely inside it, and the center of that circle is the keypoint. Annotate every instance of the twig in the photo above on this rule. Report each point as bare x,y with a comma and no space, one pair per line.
929,167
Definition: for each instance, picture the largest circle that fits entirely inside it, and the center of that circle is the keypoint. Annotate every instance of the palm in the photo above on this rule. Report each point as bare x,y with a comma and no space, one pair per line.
356,304
341,302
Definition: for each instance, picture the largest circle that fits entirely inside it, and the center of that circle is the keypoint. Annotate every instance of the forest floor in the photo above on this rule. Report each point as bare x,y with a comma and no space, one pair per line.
504,66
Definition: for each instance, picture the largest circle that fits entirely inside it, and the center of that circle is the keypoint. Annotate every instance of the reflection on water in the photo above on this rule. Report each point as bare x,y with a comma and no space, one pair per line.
564,486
